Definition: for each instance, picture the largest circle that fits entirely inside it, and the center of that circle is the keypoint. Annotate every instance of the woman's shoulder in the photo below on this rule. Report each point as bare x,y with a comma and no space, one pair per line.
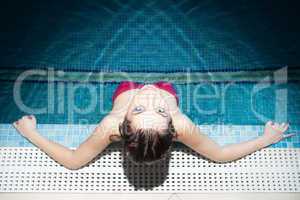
109,126
182,125
113,119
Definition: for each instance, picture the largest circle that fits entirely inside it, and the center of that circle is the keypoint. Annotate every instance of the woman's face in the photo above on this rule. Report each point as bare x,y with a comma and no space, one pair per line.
148,109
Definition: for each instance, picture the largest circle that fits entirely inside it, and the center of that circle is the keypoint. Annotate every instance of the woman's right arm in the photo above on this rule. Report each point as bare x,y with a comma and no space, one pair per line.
71,159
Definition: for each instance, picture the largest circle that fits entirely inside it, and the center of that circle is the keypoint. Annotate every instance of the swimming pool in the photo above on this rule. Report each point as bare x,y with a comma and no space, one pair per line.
207,102
164,36
234,67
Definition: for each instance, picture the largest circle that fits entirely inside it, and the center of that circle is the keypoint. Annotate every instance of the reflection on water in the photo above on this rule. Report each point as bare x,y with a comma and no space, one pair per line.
170,35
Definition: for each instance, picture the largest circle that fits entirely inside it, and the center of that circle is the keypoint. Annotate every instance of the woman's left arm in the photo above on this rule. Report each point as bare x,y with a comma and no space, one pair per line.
190,135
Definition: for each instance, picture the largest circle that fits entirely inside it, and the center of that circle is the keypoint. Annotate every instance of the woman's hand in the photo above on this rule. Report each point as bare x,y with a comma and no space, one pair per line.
273,132
26,125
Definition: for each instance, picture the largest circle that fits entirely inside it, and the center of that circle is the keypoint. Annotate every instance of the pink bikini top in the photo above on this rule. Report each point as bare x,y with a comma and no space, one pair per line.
129,85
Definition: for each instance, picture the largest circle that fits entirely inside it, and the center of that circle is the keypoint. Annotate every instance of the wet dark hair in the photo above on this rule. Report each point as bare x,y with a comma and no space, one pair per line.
146,145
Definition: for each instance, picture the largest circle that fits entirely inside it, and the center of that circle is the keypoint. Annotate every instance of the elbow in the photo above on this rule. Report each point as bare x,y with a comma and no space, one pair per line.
221,158
72,166
71,163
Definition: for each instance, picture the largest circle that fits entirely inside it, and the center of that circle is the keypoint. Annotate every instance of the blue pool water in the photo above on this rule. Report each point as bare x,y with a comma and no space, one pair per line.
230,103
62,121
149,36
136,35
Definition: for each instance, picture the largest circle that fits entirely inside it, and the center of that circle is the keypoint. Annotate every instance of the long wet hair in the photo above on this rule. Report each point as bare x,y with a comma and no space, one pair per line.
146,145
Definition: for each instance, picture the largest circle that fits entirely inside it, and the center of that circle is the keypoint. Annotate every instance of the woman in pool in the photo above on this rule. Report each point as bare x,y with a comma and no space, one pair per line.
147,119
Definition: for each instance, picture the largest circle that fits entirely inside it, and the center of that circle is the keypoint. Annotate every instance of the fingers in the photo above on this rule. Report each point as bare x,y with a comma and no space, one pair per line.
288,135
269,123
28,116
31,117
285,127
275,126
15,123
280,128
